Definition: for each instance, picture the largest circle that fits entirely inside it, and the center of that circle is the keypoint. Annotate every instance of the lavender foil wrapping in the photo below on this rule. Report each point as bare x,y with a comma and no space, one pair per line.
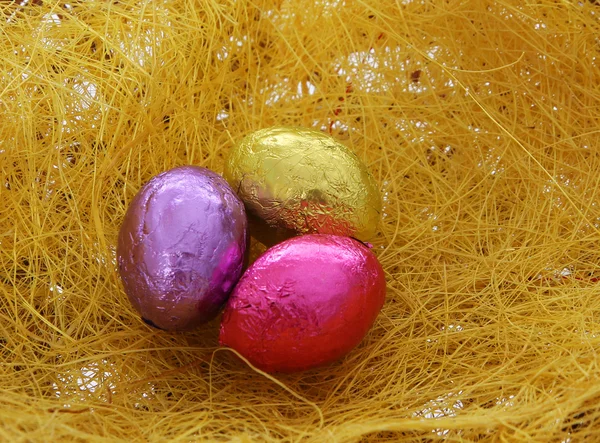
181,247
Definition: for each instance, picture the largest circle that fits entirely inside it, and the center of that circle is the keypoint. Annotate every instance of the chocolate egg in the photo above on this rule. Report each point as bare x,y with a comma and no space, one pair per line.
181,247
304,303
303,181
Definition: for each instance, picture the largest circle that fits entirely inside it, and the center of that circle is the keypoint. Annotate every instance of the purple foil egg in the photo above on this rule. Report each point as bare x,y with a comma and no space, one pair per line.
181,247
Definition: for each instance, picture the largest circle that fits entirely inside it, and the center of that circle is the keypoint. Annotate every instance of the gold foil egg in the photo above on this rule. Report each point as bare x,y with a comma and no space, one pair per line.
302,181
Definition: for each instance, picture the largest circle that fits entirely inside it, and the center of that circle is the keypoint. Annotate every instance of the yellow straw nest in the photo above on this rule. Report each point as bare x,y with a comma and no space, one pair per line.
478,119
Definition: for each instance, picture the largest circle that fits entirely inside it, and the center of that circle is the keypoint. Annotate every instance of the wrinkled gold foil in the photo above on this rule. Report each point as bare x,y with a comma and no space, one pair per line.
304,181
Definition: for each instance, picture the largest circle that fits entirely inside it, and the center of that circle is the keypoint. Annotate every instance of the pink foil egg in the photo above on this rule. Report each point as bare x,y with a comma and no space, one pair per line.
181,247
304,303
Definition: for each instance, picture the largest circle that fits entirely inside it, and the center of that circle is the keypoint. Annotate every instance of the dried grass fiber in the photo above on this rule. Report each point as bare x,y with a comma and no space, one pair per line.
480,121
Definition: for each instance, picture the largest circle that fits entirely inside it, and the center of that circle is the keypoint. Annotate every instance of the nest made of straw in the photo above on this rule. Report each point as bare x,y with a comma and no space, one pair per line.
480,121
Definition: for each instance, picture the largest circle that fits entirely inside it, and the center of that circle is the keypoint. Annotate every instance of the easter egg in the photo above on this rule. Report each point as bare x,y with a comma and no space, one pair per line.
303,181
304,303
181,247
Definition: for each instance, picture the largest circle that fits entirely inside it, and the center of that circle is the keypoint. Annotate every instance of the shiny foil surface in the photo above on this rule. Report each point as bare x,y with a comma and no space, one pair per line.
304,303
181,247
304,181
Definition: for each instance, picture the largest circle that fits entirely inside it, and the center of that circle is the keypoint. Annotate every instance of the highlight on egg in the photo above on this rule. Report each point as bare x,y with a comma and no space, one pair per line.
304,181
181,247
304,303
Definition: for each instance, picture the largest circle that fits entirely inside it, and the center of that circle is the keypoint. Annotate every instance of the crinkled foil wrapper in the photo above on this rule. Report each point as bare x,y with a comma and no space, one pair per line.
181,247
303,181
304,303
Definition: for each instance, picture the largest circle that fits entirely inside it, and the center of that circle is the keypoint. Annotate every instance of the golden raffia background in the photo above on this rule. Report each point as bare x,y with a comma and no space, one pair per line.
480,122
